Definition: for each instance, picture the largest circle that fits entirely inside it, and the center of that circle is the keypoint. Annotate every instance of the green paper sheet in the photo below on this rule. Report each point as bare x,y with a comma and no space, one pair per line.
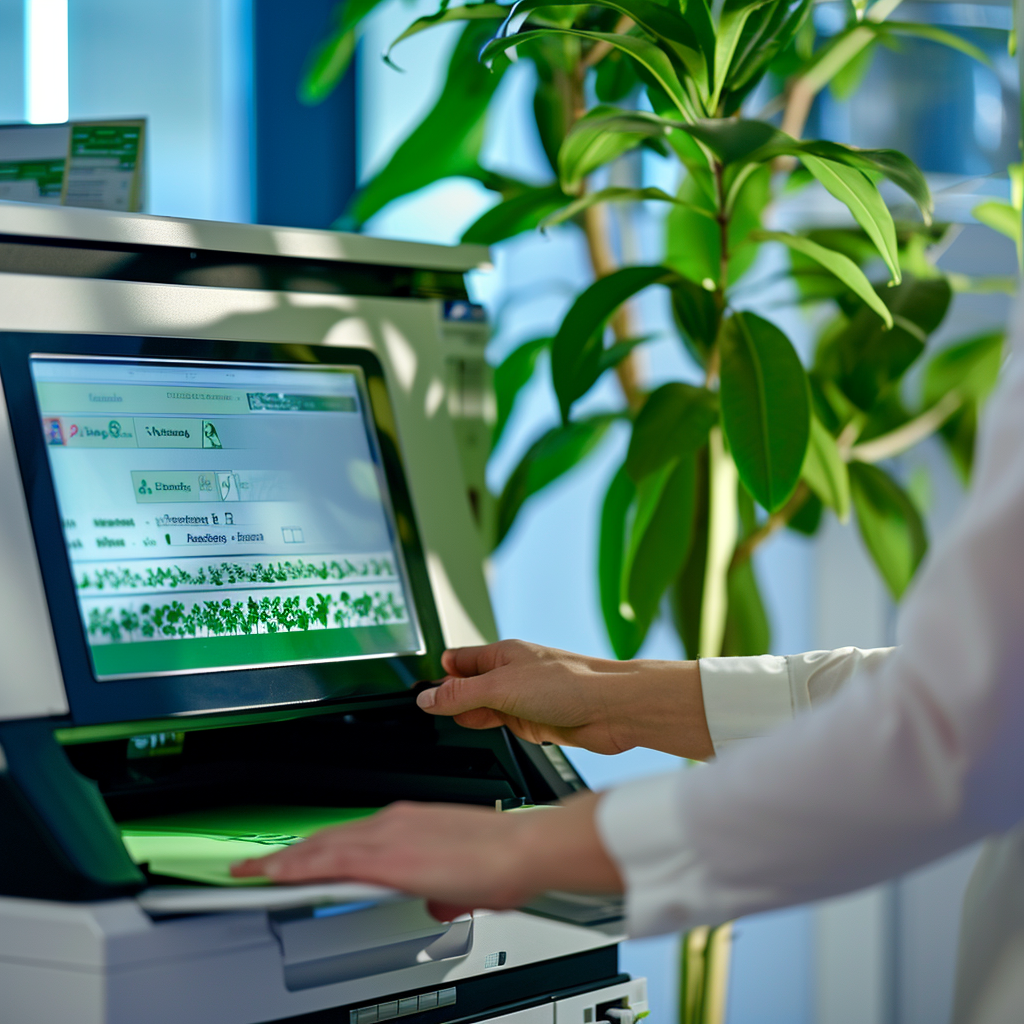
202,846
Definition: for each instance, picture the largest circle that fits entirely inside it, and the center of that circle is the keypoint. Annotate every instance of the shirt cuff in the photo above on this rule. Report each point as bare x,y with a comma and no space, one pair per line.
639,824
745,697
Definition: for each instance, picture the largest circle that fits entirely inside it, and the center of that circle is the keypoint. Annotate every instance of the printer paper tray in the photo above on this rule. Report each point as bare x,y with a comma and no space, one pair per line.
160,901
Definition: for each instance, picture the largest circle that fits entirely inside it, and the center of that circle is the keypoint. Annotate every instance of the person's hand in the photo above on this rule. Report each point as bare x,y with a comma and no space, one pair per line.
547,695
459,858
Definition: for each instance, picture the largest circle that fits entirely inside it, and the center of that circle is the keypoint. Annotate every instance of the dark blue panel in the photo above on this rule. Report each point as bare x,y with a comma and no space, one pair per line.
305,157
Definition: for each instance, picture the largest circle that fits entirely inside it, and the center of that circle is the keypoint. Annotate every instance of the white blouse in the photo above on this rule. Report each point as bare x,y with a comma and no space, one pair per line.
905,754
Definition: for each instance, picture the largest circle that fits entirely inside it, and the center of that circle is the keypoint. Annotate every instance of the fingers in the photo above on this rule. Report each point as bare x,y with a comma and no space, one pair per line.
456,696
447,911
470,661
480,718
251,868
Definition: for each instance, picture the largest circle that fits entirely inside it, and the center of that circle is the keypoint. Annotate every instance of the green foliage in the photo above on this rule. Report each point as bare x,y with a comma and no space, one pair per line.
333,56
579,344
447,141
890,525
825,472
626,635
766,407
865,359
673,424
968,370
803,443
659,537
548,458
836,263
515,215
509,379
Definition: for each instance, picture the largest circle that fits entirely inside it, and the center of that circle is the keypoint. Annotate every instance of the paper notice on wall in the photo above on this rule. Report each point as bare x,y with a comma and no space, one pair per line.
104,166
100,164
32,162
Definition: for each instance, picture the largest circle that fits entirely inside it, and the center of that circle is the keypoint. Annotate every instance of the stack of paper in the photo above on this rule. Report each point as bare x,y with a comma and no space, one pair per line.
202,846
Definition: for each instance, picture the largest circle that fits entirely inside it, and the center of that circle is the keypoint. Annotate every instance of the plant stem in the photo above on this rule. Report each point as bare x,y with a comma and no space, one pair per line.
801,92
899,440
722,216
599,51
722,524
596,229
775,521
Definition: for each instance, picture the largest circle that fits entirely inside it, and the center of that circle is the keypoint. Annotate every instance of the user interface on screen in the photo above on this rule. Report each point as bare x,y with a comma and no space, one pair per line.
222,515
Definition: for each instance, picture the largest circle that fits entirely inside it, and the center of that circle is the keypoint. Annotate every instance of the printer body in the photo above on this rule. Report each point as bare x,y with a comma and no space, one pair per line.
241,491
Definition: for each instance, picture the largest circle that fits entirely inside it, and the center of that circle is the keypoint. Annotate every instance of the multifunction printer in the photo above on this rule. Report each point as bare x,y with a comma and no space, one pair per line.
241,500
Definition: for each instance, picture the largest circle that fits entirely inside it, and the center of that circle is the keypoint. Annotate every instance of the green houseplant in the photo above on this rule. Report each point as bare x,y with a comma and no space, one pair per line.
762,442
714,470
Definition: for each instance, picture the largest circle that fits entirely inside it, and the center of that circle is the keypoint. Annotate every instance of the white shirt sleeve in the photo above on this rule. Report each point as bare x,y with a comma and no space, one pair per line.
746,697
904,764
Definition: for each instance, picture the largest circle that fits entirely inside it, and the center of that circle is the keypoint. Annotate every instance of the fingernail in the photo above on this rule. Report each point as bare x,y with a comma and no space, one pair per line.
427,698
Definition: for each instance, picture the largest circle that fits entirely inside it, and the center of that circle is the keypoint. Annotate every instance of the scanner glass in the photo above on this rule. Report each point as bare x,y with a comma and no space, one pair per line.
223,515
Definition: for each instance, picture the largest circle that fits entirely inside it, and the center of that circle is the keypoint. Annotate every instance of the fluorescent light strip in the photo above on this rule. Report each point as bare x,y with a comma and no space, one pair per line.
46,61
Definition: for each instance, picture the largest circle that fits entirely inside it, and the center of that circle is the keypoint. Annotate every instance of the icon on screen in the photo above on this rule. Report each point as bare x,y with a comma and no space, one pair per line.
54,431
144,488
211,439
227,484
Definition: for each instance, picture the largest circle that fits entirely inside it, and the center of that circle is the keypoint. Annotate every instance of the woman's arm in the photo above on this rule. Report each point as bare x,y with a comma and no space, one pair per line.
548,695
904,764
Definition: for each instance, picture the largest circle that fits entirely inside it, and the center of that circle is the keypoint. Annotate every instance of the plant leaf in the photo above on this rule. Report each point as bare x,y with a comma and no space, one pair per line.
766,407
731,139
970,367
807,517
697,316
731,21
835,262
512,216
596,139
464,12
578,345
999,216
847,80
625,636
865,359
825,472
747,630
447,141
890,525
548,458
934,34
660,21
855,190
765,35
693,243
616,194
673,424
614,354
660,537
649,56
510,377
333,56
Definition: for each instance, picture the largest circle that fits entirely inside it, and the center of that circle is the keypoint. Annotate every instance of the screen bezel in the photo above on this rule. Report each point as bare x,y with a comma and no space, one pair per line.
218,691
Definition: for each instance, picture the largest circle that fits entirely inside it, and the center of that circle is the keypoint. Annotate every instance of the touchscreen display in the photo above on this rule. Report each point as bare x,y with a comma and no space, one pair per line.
223,515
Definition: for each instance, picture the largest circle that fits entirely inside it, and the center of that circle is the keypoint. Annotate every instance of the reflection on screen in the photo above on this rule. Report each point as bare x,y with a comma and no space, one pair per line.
222,516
